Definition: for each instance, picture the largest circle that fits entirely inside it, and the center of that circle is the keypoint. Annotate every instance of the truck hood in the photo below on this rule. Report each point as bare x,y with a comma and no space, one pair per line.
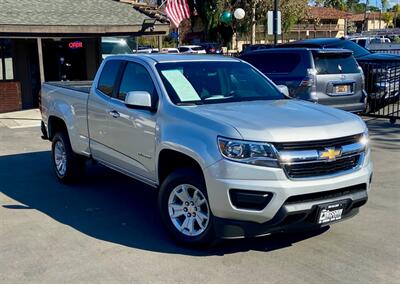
283,120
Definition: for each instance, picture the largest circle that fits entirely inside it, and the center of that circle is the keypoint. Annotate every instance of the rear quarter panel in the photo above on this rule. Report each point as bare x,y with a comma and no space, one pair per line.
71,107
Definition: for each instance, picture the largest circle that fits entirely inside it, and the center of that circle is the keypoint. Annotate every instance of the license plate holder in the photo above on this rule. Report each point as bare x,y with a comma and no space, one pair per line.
330,212
342,89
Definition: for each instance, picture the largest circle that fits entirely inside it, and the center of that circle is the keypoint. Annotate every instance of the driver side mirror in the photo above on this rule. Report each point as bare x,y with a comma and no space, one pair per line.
139,99
284,90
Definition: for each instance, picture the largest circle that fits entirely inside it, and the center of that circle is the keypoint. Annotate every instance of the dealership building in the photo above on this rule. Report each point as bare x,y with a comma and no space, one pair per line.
54,40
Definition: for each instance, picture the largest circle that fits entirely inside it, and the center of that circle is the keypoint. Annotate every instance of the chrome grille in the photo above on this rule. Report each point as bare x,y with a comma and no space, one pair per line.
317,144
313,158
321,168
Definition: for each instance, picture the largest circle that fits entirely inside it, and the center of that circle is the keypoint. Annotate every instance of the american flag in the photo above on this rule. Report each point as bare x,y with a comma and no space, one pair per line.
177,11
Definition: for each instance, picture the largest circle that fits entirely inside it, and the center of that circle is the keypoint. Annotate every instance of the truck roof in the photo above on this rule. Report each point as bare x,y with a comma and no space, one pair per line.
159,58
297,49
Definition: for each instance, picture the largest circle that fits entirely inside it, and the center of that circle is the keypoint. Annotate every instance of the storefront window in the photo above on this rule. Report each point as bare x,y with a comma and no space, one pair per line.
6,60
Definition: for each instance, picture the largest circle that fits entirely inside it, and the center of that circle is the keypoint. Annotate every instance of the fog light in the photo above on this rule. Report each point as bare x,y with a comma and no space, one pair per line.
249,200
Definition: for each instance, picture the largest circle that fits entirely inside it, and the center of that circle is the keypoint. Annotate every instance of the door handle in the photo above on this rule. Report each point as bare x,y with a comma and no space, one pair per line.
114,113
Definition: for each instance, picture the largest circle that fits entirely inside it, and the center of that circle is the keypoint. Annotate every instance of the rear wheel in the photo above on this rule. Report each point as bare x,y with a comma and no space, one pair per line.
185,209
67,165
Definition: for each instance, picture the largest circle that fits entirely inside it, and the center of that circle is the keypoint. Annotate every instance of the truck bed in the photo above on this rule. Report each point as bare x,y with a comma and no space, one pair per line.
80,86
68,100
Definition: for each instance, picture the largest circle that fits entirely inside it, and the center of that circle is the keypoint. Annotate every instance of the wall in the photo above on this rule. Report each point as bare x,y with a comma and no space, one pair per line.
376,24
10,96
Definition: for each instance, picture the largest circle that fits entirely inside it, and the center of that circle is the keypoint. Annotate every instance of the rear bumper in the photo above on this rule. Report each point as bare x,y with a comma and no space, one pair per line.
355,107
43,128
291,216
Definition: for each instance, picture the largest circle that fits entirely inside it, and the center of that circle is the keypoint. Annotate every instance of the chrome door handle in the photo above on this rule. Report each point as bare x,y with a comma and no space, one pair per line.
114,113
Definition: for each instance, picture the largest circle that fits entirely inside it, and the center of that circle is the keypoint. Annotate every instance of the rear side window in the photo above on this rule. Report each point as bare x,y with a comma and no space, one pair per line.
362,42
335,64
108,77
270,63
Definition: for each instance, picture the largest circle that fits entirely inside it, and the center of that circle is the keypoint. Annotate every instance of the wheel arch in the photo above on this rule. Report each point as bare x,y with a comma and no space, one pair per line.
55,124
170,160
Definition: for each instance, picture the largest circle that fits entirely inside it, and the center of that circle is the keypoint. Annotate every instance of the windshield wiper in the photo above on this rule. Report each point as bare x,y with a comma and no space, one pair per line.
190,103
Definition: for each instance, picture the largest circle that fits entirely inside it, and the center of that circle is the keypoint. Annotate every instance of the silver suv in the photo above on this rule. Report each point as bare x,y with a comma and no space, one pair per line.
327,76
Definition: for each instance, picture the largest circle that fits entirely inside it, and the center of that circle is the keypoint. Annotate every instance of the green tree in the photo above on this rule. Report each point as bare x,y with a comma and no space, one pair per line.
337,4
388,18
209,12
355,6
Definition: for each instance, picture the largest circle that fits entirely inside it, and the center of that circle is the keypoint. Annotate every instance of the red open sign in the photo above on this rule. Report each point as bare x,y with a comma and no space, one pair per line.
75,45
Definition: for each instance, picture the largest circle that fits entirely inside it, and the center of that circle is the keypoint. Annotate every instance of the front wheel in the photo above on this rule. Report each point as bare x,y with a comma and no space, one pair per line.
185,209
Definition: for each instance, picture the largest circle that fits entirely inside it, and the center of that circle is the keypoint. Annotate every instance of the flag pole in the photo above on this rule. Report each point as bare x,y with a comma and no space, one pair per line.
162,4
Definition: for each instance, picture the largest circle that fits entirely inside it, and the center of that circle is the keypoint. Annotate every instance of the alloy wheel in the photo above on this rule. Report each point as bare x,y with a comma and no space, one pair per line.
188,210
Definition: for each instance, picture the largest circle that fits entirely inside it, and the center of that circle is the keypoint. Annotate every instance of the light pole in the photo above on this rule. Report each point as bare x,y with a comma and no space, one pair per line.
275,16
365,28
253,23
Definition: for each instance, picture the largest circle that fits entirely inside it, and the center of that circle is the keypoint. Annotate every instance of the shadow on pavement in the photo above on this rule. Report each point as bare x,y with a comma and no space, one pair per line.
108,206
384,134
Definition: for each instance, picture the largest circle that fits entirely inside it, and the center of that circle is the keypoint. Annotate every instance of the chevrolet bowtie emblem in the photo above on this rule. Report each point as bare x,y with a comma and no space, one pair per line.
330,154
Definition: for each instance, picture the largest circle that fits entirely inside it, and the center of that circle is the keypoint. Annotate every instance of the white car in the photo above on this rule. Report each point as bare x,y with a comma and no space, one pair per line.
192,49
169,50
147,50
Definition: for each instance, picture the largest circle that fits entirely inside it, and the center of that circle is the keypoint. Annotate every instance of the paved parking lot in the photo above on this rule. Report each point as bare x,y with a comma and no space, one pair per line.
107,229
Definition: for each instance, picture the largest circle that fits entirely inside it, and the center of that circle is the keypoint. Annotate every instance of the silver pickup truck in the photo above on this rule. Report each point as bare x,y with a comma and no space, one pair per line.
231,154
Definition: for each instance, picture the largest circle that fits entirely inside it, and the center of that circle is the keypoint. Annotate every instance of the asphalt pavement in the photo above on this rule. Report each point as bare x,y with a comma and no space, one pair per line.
106,229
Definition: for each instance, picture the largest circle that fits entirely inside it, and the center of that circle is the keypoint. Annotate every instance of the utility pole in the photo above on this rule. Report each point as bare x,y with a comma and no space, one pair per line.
275,16
253,23
365,28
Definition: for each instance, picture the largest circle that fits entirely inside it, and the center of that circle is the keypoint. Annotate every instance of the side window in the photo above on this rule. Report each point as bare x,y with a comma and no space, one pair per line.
270,63
108,77
183,49
135,78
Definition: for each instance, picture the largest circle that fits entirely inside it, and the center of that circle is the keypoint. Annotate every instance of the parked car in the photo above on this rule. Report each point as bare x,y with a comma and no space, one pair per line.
327,76
366,42
212,47
231,155
147,50
113,45
382,70
169,50
192,49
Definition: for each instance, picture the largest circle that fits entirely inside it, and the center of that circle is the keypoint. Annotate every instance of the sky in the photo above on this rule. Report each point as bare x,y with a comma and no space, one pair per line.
378,3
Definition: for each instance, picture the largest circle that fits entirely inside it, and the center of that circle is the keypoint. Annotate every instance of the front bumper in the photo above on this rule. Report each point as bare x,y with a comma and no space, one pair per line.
291,216
280,213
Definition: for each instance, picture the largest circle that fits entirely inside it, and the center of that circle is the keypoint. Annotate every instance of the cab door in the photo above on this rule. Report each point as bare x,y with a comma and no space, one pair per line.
98,109
131,132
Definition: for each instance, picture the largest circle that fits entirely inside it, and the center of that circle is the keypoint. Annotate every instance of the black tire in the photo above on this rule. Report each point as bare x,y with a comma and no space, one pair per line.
193,178
75,164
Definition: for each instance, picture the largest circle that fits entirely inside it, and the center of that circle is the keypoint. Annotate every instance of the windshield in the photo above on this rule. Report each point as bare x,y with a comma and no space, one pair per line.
358,51
215,82
115,48
335,64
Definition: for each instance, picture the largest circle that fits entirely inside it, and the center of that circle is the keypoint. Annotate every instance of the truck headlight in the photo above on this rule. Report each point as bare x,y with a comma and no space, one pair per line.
364,140
253,153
